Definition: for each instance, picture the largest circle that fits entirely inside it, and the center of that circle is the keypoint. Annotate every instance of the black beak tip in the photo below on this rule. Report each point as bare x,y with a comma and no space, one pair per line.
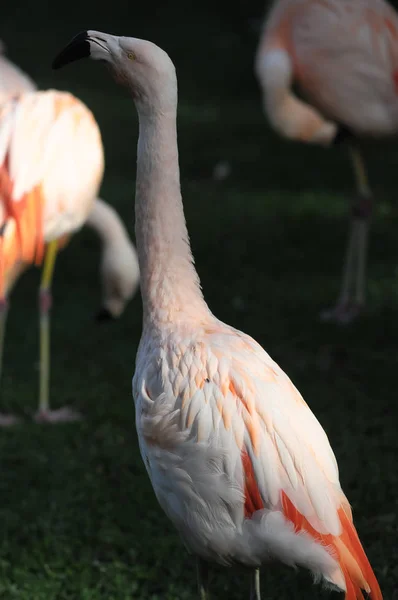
104,315
78,47
343,135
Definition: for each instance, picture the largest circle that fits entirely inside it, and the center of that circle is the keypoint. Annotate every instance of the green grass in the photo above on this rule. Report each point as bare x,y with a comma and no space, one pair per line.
78,518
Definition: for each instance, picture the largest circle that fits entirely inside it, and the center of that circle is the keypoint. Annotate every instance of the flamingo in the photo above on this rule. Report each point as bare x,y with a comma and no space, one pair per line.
343,54
51,167
236,458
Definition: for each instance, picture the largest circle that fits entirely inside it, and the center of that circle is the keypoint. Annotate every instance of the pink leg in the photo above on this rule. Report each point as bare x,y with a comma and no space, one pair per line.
44,414
352,295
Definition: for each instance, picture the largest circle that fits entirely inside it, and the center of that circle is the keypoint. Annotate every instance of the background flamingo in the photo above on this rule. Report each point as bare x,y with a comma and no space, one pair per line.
51,167
344,57
237,460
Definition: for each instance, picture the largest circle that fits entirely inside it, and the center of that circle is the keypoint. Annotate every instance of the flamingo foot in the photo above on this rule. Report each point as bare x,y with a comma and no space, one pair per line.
61,415
343,313
8,420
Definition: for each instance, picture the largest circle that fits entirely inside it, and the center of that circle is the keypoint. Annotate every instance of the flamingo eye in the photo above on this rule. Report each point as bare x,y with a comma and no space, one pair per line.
131,56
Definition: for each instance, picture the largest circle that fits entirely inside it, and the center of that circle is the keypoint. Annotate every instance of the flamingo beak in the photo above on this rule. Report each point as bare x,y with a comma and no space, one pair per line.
343,135
78,48
104,315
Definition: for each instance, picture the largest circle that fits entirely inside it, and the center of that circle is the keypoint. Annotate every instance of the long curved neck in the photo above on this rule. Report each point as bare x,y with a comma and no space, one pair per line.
169,283
106,222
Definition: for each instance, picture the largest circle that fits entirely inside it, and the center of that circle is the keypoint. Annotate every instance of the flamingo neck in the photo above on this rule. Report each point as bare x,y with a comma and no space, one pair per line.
106,222
170,285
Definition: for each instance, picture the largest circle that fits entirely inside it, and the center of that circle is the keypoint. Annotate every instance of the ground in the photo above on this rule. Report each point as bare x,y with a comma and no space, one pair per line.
78,518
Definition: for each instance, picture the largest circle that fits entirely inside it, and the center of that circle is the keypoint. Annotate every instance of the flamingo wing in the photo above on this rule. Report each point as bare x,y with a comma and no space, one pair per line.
345,57
287,461
21,215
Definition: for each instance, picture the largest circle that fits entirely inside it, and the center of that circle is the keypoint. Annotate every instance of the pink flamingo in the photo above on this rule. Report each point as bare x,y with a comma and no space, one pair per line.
236,458
51,168
343,54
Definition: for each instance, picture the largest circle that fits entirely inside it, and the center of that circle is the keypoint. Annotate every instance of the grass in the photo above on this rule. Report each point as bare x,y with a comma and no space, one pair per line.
78,518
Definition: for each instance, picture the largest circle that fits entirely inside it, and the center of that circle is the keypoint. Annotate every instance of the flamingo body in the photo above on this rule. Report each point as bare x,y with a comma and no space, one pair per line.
50,194
344,57
237,459
357,49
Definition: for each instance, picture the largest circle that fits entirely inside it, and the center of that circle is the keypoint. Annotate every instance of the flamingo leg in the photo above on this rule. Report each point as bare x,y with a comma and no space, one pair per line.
349,265
202,572
5,420
352,293
362,213
3,323
361,272
255,585
44,414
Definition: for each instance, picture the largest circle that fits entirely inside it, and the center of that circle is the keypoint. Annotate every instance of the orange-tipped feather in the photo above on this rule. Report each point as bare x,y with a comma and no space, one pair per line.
2,269
346,548
24,242
253,500
12,209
